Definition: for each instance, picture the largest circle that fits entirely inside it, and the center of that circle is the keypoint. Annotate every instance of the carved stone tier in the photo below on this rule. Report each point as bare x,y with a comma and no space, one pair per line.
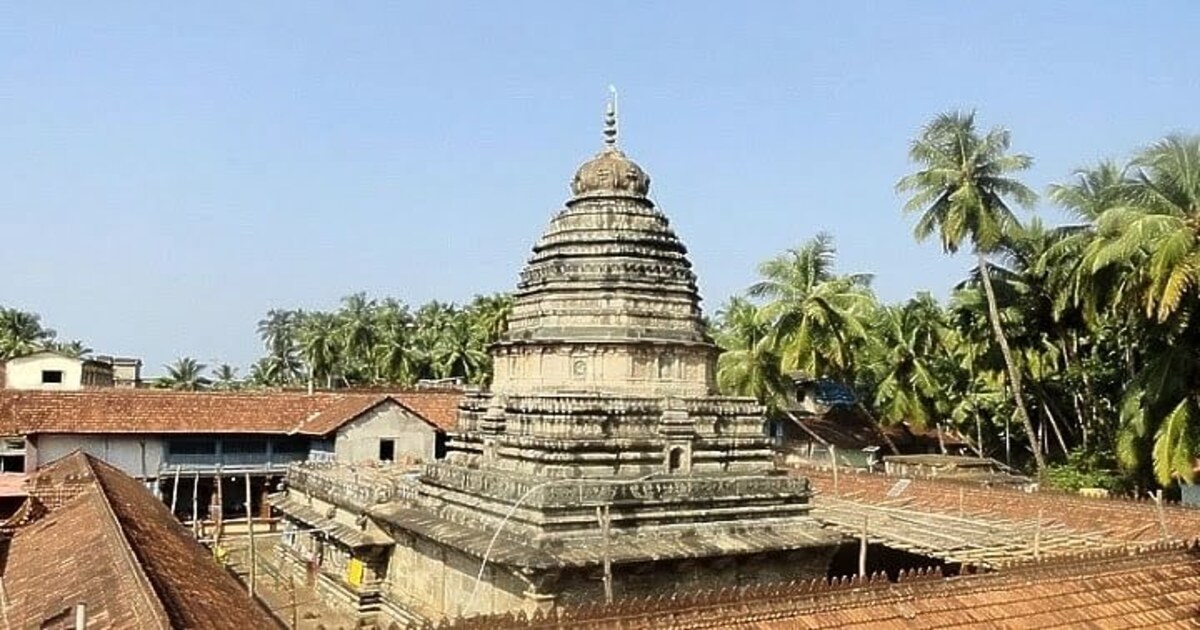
607,303
582,435
546,513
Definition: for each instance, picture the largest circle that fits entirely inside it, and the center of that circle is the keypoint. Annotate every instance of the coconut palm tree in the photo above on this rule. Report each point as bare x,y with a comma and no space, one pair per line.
74,348
489,315
279,332
914,357
748,365
320,346
817,317
225,377
185,374
21,333
963,192
1148,239
457,352
356,327
396,353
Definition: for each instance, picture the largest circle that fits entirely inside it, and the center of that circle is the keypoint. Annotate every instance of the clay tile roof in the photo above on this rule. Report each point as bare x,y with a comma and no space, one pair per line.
1121,520
1155,588
843,428
113,547
153,411
438,407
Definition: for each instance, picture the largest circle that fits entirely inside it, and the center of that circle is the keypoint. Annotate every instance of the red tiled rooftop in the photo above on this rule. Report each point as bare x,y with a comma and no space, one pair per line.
153,411
109,544
1119,519
1153,588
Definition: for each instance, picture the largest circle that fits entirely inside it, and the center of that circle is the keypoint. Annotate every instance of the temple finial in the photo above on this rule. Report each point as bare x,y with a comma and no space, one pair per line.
610,119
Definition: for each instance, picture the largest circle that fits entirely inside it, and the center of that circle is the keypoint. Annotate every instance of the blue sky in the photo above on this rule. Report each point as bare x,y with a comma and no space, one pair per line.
170,171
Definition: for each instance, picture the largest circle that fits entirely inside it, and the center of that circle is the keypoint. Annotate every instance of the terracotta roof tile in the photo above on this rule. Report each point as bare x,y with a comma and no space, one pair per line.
1120,519
142,411
1155,588
115,548
438,407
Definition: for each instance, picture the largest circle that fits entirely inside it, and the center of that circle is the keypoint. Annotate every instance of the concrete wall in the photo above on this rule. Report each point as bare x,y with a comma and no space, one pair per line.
26,372
138,456
359,440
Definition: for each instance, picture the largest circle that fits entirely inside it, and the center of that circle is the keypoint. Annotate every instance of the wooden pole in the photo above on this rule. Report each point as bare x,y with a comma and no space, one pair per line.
1037,537
603,516
219,521
862,550
196,504
1162,516
833,462
250,530
175,491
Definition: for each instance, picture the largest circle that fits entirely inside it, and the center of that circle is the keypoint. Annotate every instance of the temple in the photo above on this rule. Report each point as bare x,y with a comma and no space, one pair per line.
601,461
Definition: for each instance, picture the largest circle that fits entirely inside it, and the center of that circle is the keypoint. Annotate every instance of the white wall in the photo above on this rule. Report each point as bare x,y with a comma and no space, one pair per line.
26,372
358,441
129,453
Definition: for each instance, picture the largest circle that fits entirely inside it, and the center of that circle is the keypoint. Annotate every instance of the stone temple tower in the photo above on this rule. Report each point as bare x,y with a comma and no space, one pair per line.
602,459
608,302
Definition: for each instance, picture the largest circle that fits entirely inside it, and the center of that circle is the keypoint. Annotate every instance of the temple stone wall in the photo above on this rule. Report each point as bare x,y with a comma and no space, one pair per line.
435,580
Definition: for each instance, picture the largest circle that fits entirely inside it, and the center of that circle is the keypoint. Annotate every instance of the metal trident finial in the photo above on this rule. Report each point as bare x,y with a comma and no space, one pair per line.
610,118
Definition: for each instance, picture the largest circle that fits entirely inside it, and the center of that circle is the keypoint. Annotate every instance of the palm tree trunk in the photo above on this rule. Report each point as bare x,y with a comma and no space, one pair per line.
1014,377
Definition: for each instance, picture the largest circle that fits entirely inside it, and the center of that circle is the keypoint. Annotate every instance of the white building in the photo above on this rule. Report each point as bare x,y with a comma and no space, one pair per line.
55,371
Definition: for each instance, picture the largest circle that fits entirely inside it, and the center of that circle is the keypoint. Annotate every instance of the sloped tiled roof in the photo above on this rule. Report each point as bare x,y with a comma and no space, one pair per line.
1155,588
110,545
154,411
1128,521
843,428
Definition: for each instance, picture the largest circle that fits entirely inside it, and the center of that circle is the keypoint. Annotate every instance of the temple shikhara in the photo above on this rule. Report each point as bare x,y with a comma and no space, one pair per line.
601,461
601,481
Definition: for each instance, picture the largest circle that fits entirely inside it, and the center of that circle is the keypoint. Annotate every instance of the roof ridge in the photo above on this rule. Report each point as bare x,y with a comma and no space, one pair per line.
129,554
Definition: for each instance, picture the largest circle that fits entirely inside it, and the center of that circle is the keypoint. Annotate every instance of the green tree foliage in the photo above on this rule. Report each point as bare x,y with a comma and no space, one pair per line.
1077,344
185,374
380,342
963,193
22,332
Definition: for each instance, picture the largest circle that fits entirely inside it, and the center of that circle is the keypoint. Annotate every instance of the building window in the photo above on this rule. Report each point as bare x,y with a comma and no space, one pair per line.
52,376
387,450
